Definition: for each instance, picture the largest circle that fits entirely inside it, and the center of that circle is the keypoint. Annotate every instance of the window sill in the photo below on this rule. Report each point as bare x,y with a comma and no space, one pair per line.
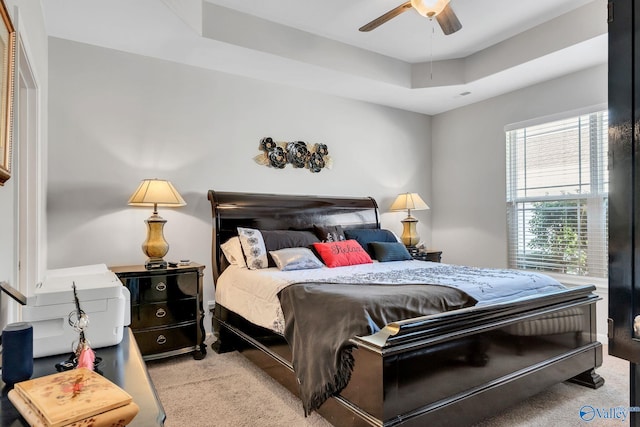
570,280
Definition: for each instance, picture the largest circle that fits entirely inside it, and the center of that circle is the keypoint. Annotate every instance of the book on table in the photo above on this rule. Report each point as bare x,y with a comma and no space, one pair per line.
71,397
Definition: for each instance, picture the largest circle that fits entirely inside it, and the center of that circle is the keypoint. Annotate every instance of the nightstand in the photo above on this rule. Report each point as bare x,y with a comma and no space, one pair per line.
167,317
425,254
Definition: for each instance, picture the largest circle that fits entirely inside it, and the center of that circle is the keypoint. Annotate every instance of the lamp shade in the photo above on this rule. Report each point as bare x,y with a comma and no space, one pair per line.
409,201
156,192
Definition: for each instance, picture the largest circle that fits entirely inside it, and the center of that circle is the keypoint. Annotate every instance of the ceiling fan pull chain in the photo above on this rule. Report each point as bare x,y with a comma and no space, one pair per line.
431,50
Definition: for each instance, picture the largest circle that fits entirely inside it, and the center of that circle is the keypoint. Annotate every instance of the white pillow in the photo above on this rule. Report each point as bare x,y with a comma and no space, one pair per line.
232,250
253,247
295,259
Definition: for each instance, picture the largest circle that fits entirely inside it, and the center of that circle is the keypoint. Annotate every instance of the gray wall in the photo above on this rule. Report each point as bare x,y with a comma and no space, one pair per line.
469,163
117,118
469,168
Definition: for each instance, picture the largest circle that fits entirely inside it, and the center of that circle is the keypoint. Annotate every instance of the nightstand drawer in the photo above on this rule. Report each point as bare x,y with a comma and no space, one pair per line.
163,313
161,340
164,287
428,256
425,254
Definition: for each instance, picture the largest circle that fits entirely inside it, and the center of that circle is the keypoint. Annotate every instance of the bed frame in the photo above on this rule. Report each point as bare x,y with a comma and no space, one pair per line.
454,368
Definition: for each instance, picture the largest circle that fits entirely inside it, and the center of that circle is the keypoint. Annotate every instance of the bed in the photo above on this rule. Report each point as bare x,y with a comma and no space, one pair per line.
455,366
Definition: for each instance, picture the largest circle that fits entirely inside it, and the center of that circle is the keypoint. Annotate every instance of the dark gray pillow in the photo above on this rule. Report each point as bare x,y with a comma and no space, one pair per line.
282,239
390,251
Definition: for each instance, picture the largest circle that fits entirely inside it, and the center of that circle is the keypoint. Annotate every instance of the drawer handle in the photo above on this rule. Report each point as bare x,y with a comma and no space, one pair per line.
161,312
160,287
161,339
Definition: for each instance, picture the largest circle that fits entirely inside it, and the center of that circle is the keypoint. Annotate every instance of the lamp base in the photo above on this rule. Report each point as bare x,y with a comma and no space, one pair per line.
155,247
155,263
409,236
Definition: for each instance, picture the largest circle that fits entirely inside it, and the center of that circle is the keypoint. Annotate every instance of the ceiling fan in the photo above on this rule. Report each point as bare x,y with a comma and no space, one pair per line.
441,9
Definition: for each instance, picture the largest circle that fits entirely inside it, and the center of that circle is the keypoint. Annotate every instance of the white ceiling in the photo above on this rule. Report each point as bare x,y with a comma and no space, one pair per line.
406,63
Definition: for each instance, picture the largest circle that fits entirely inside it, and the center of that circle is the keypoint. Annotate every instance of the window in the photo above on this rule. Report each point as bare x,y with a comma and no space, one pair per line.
557,189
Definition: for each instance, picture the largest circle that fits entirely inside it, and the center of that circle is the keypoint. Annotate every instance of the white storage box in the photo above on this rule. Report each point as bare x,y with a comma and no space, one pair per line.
102,297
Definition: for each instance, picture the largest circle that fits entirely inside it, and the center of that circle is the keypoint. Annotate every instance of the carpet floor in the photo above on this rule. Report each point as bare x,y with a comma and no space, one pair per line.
228,390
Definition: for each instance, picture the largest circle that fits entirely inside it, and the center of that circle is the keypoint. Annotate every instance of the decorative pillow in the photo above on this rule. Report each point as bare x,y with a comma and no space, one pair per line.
390,251
253,247
329,233
364,236
232,250
295,259
281,239
337,254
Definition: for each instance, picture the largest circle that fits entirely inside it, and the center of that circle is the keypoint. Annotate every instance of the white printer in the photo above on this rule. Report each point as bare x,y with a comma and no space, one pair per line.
102,297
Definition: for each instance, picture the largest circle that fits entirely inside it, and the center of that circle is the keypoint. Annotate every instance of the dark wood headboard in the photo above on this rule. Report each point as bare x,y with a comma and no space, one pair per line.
282,212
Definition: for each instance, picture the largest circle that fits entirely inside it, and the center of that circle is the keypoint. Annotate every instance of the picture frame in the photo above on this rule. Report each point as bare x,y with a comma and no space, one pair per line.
7,71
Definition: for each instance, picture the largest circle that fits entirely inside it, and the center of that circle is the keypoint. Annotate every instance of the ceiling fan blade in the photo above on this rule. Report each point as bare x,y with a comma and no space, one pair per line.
448,20
387,16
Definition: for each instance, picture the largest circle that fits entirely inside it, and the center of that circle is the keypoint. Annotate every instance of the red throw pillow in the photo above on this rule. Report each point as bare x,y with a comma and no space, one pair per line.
345,252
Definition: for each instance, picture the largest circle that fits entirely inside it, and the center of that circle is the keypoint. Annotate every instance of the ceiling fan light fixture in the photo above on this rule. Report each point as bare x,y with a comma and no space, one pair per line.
440,9
429,8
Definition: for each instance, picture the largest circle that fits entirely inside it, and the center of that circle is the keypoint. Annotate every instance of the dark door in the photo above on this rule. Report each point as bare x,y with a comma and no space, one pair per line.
624,188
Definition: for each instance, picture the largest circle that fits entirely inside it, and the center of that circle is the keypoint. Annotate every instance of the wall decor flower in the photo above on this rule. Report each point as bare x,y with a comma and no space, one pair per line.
277,154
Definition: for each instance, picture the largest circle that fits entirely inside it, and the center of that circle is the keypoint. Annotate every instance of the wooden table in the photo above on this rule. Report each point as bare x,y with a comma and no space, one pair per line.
122,364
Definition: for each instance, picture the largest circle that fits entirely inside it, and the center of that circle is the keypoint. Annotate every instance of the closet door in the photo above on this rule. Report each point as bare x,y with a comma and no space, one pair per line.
624,189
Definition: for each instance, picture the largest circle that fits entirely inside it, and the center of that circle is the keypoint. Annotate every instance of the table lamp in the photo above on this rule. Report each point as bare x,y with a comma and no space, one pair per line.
156,192
409,201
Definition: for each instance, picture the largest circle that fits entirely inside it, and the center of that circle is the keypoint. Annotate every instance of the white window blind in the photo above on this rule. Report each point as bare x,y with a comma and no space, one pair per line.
557,189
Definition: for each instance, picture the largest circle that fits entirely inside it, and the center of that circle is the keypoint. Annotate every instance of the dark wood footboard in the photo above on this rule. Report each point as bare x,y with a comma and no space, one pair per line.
454,368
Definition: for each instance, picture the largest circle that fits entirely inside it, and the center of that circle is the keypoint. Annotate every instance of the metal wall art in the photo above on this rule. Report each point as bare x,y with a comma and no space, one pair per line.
277,154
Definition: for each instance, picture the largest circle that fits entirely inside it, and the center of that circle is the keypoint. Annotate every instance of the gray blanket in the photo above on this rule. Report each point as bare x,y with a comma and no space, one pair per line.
320,318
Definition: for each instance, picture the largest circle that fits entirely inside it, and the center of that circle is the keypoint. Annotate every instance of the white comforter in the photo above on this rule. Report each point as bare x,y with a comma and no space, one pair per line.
254,293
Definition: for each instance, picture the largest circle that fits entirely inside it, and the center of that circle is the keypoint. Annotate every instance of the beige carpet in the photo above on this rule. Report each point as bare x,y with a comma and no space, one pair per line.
227,390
